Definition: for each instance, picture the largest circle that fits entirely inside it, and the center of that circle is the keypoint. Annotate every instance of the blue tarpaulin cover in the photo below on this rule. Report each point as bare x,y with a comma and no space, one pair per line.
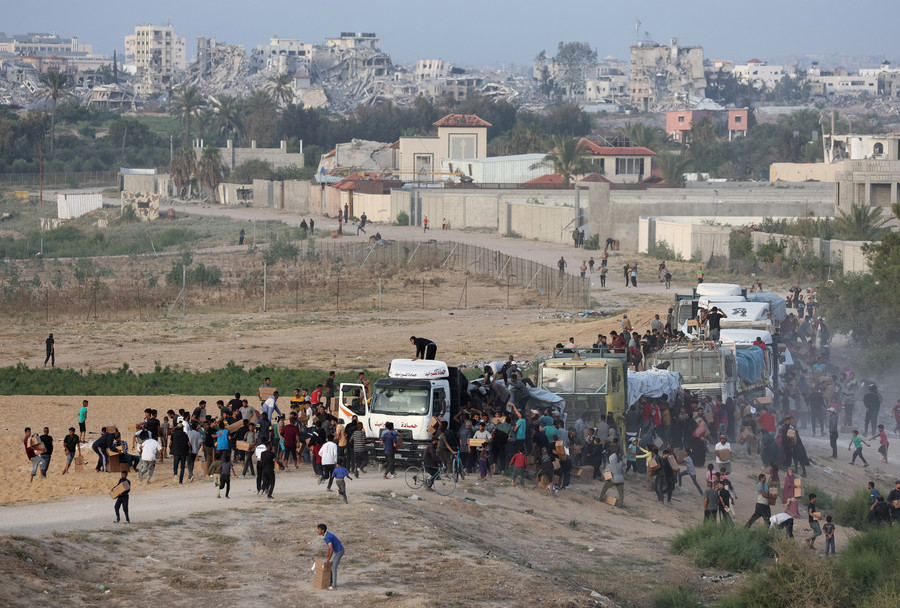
750,363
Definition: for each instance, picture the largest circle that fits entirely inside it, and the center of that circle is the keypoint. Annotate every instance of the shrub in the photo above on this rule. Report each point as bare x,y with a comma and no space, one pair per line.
592,242
824,500
661,250
723,546
402,219
280,250
851,512
872,558
680,597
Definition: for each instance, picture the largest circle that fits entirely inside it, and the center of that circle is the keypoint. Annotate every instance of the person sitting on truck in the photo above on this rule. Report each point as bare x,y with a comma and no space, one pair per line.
425,348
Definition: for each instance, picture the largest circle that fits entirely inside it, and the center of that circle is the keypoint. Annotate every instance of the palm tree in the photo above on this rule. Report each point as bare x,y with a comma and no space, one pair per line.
188,102
211,171
228,114
567,157
57,87
672,167
861,223
259,100
281,88
642,135
181,169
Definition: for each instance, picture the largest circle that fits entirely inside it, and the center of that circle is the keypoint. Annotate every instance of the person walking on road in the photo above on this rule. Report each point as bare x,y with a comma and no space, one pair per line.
335,553
762,501
122,499
561,264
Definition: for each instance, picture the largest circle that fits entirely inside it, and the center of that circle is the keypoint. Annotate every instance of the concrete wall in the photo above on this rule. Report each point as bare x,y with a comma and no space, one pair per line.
289,195
151,184
804,172
279,157
377,207
537,222
686,237
70,206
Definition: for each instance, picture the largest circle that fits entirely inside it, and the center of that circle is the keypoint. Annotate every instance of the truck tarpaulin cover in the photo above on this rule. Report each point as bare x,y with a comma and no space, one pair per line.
547,398
653,383
750,363
776,304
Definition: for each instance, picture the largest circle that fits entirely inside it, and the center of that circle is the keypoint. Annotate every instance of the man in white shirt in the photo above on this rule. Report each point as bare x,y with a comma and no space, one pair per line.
329,454
723,454
149,450
783,521
270,406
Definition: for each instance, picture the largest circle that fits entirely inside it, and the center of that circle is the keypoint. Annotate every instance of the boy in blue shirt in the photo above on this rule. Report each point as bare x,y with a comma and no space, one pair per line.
335,552
341,475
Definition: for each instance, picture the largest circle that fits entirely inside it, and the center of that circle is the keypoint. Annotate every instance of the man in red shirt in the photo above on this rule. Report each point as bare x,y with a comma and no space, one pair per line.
767,420
315,397
290,433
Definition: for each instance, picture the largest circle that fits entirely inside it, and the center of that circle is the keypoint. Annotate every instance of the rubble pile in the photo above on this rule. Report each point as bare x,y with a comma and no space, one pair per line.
225,71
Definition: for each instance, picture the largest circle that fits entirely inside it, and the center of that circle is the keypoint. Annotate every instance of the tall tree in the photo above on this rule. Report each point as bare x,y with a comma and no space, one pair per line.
860,223
672,167
187,104
228,115
181,168
640,134
56,87
211,171
567,157
281,88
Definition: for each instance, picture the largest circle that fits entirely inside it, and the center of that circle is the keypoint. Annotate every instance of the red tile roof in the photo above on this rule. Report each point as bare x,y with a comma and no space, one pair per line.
595,149
595,177
461,120
550,178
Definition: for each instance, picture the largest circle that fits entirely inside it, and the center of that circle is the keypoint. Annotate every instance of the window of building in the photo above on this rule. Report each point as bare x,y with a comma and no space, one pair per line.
629,166
738,118
681,119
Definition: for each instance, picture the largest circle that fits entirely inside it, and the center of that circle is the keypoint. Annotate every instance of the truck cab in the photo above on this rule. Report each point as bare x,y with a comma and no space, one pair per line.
590,380
412,393
706,369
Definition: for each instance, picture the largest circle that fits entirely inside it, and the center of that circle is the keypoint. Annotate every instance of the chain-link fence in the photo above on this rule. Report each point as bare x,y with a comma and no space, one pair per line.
56,181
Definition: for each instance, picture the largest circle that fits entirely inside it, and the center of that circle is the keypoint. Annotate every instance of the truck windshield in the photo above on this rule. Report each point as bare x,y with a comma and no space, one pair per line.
703,367
400,401
566,380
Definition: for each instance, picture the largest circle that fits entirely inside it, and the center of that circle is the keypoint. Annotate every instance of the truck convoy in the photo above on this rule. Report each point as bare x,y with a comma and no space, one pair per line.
413,392
733,366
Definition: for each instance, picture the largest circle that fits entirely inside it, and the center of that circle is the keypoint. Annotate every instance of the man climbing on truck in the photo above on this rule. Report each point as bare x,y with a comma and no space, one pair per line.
425,348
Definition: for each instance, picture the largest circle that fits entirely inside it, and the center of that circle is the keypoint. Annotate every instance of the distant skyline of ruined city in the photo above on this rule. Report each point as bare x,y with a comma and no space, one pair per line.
475,34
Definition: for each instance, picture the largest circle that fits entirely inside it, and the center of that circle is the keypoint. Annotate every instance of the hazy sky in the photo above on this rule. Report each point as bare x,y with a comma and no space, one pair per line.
486,32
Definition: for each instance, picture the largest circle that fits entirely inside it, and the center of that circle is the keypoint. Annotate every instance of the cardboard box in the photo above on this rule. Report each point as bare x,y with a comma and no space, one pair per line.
39,447
674,464
791,434
763,401
559,447
112,452
204,466
556,465
111,428
114,465
709,417
321,576
266,392
895,504
576,449
235,426
817,515
724,455
798,492
79,463
610,500
607,476
679,456
120,489
242,445
586,473
134,428
476,443
653,466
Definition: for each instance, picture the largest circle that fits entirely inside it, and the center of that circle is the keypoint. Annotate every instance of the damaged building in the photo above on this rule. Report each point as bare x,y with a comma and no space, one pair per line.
660,73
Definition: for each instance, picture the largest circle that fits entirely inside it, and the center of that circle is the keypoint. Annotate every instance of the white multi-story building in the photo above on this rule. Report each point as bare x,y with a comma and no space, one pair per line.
427,69
760,75
157,54
283,55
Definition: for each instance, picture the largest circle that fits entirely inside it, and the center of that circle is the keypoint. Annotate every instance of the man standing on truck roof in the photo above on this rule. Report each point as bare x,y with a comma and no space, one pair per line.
425,348
713,323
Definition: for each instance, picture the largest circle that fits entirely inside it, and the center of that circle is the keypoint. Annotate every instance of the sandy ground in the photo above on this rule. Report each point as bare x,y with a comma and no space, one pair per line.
185,546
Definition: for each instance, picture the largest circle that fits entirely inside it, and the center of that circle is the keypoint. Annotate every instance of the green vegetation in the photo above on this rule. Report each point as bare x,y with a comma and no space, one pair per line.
867,305
23,380
679,597
865,574
592,242
661,250
712,545
851,512
402,219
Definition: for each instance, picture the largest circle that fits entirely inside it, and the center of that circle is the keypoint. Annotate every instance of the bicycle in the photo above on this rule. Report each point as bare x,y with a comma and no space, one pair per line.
457,468
441,482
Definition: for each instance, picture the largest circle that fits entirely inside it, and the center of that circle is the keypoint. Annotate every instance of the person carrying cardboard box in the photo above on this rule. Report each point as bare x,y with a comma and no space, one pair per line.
120,492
